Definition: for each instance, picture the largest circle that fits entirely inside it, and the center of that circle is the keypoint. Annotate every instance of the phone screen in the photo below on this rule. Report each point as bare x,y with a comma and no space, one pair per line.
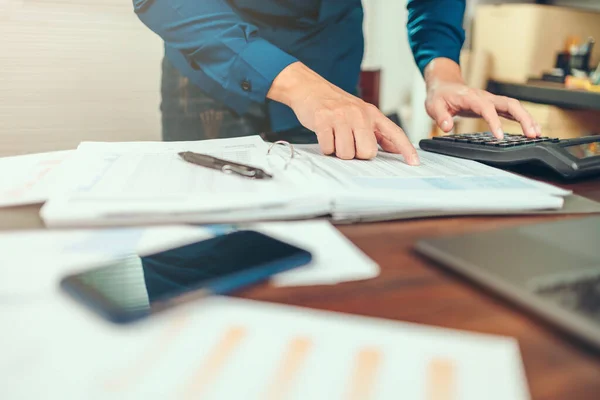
135,287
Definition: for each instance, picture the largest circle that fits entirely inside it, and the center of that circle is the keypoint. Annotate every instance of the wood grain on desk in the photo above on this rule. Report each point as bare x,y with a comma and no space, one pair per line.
411,288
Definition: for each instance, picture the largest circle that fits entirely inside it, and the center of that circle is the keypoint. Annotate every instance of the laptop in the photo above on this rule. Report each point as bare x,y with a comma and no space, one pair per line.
553,269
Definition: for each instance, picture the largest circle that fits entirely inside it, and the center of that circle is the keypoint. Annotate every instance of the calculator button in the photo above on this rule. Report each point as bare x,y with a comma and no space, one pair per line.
448,138
492,143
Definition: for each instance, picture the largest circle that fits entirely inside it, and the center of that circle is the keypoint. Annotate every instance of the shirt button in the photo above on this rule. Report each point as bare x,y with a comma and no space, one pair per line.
246,86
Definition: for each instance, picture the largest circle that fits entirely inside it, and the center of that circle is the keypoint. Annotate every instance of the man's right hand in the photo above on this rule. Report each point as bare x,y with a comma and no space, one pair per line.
344,124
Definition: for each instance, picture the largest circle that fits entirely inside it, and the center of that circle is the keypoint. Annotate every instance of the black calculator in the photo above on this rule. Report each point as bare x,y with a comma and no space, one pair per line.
571,158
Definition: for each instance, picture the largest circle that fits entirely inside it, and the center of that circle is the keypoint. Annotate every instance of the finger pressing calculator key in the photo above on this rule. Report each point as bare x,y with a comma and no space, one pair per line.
571,158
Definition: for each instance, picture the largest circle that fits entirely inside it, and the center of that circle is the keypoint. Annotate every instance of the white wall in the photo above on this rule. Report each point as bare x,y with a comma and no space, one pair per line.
386,47
75,70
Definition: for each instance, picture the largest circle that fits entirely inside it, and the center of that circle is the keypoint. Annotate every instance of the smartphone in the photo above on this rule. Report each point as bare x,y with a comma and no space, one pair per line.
136,287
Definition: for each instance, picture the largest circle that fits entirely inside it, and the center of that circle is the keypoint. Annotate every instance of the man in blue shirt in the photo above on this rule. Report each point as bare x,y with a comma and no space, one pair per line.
288,64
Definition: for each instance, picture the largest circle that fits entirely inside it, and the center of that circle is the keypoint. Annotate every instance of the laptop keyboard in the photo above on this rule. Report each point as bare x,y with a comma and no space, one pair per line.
582,295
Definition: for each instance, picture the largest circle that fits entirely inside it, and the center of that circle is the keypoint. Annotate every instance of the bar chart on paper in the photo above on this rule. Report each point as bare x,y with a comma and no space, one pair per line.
246,350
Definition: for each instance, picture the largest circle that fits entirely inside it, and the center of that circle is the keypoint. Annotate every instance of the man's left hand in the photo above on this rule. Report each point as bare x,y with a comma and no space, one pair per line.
449,96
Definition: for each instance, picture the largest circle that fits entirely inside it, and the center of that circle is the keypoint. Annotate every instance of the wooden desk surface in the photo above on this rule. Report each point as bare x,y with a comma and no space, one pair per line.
411,288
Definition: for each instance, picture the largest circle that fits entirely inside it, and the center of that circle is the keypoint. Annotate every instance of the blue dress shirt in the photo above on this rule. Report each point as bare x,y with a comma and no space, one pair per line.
234,49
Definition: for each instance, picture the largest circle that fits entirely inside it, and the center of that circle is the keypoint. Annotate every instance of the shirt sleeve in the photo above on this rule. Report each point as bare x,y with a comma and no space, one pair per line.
215,48
435,29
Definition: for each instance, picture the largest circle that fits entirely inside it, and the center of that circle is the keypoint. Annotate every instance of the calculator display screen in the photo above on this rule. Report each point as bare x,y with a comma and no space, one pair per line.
585,150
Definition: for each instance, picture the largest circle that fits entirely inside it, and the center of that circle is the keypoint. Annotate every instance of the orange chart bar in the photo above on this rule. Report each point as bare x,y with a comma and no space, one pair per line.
149,358
441,380
214,362
288,368
362,381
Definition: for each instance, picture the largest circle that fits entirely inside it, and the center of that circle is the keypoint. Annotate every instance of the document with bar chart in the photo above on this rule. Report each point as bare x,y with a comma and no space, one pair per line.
238,349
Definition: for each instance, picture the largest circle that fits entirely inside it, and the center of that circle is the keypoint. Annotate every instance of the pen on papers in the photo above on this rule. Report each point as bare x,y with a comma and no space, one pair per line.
227,167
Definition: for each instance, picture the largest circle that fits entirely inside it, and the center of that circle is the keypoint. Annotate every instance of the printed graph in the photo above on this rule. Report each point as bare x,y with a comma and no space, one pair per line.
149,358
288,368
362,376
441,380
366,367
211,367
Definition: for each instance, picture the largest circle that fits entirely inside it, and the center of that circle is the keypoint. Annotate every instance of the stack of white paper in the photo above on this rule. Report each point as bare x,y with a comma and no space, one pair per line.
32,263
223,349
147,182
387,187
129,183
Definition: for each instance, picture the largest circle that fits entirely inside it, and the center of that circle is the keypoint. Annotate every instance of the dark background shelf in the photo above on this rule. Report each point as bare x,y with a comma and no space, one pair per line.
547,93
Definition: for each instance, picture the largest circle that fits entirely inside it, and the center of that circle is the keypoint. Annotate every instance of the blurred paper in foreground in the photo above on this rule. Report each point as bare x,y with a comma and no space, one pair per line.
240,349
